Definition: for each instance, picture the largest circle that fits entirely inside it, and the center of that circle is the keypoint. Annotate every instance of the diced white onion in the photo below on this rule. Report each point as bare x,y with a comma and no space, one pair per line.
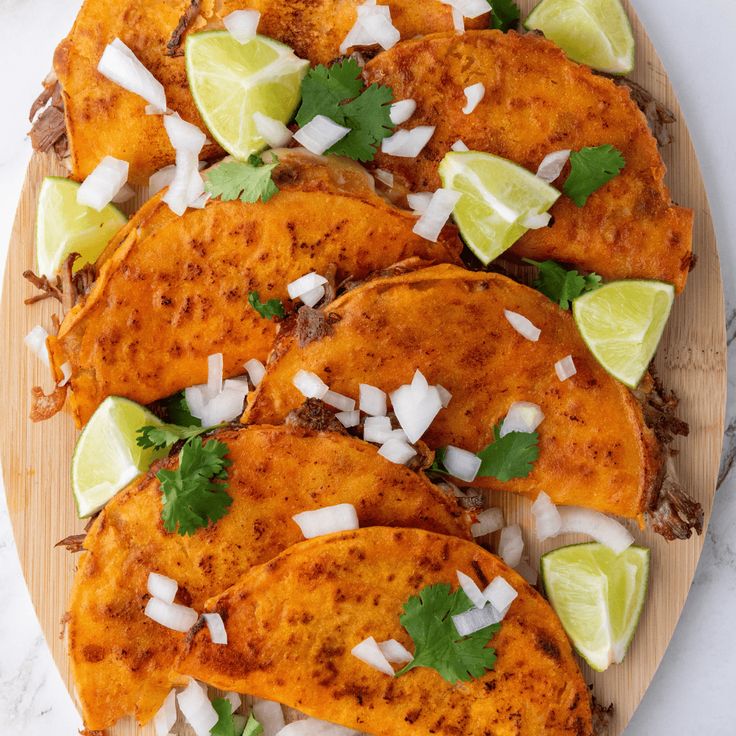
445,395
397,451
474,593
565,368
165,717
313,296
171,615
500,594
274,132
35,341
120,65
488,521
310,384
511,545
339,401
195,398
602,528
187,185
160,179
401,110
256,370
369,652
419,201
377,429
315,727
66,372
415,408
536,221
226,406
270,715
458,145
434,218
304,284
522,325
469,8
419,383
184,136
372,400
407,143
475,619
522,416
125,194
381,30
458,21
547,519
384,176
236,384
461,464
216,625
373,26
527,572
552,165
339,518
101,186
234,699
473,94
348,418
215,367
319,134
197,709
242,24
395,652
161,587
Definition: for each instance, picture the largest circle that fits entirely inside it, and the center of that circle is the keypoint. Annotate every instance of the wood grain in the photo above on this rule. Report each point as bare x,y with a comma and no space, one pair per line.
691,361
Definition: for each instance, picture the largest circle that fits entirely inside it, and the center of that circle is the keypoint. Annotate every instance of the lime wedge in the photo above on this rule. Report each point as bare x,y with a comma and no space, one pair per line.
592,32
231,80
622,323
106,457
497,198
598,596
64,227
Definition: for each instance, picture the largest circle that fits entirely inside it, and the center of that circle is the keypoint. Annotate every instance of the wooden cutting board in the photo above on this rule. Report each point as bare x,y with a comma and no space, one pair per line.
691,360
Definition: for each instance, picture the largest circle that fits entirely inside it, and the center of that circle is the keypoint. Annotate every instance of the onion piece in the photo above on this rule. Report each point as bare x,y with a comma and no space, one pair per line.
184,136
459,146
274,132
101,186
226,406
407,143
171,615
377,429
120,65
313,296
536,221
348,418
125,194
522,325
401,110
310,385
372,400
187,186
602,528
197,709
397,451
195,398
338,518
234,699
339,401
66,372
216,625
473,94
461,464
419,201
395,652
458,21
319,134
527,572
270,715
419,383
160,179
315,727
161,587
471,590
547,519
500,594
242,24
35,341
475,619
304,284
522,416
469,8
165,717
381,30
415,409
445,395
552,165
369,652
256,370
439,209
386,177
511,545
215,367
488,521
565,368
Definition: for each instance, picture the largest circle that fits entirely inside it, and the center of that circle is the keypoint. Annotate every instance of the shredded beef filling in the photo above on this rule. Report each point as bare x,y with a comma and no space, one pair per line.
315,415
48,128
186,20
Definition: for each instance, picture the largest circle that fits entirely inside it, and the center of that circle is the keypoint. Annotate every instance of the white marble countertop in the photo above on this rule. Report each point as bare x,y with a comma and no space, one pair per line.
694,690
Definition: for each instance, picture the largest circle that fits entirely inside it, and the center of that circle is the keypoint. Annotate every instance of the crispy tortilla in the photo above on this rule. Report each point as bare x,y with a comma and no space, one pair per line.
172,290
536,102
121,660
595,449
292,623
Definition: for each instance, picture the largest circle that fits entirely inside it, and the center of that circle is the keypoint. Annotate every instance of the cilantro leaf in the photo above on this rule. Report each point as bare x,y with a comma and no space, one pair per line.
338,93
505,14
224,725
510,456
591,168
253,727
269,309
176,411
247,181
438,465
192,497
428,620
561,285
166,435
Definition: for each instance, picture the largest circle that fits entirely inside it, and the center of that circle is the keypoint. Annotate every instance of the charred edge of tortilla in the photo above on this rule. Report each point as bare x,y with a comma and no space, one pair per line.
315,415
186,20
44,406
398,269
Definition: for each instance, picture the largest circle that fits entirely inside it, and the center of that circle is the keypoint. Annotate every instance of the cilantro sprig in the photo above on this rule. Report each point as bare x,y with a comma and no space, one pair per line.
591,168
338,93
505,14
560,284
248,181
226,726
428,620
176,411
166,435
268,309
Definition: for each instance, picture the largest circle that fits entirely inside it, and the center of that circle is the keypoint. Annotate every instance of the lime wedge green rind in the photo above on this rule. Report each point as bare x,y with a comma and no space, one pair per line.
622,323
63,226
593,32
106,457
497,195
598,597
230,81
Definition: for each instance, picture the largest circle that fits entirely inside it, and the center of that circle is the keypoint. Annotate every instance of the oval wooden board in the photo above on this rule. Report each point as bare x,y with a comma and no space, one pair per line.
691,360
